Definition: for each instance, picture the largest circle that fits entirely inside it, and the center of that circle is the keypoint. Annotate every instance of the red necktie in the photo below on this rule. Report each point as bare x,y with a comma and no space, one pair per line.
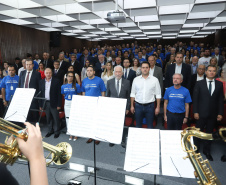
27,80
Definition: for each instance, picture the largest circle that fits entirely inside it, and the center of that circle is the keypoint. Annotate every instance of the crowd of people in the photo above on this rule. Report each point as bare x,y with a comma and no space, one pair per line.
144,74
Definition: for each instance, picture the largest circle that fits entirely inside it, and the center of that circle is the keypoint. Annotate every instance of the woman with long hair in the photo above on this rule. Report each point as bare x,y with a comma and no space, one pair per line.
71,69
41,70
136,66
108,73
69,89
83,73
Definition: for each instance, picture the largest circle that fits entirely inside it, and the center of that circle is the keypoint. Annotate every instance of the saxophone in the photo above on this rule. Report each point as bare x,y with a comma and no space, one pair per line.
204,173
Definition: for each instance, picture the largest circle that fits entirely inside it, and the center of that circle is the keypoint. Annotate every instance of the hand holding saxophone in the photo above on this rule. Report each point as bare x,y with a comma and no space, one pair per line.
32,148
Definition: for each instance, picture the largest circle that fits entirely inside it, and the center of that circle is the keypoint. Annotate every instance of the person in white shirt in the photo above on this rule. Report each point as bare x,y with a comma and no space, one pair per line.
205,59
84,69
22,68
37,58
108,56
145,90
108,73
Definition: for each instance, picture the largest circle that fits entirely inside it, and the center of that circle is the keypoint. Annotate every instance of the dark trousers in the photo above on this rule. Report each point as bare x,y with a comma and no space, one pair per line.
208,124
52,118
174,121
2,108
147,111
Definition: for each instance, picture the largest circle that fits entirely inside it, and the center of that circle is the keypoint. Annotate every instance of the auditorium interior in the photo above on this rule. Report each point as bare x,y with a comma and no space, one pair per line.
56,26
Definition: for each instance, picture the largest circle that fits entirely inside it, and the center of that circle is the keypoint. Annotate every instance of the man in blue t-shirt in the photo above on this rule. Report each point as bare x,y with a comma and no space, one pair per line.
93,86
9,85
176,104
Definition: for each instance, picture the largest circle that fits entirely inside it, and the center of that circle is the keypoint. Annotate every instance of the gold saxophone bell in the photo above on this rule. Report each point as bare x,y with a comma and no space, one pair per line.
9,152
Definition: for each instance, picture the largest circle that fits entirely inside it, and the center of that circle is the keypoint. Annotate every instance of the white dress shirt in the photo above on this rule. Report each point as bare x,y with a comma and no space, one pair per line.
47,89
151,72
29,77
145,90
213,85
200,78
120,84
178,68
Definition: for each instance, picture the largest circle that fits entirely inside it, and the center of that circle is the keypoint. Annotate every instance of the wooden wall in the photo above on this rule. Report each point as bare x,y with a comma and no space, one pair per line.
17,41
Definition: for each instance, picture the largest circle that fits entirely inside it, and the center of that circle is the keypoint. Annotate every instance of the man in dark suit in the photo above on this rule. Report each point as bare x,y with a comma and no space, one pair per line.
118,62
100,65
180,68
50,90
58,72
85,57
197,77
17,64
30,79
208,106
63,64
48,63
119,87
220,58
75,64
156,71
128,73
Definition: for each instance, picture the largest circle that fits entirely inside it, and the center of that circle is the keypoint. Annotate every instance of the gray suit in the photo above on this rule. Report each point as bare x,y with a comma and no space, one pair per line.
124,91
220,60
158,74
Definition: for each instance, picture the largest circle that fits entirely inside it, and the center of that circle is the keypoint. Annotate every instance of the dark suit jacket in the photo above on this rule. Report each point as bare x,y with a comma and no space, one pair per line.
193,82
158,74
186,72
76,66
18,66
124,91
34,80
55,93
131,76
49,63
220,60
81,60
64,66
98,69
60,75
208,106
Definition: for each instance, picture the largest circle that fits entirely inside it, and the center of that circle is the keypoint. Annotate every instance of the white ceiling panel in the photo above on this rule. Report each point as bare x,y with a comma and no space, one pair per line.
145,19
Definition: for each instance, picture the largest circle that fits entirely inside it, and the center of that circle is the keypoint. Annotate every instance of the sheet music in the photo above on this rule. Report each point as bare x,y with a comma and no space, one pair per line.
20,104
142,151
110,119
172,155
82,116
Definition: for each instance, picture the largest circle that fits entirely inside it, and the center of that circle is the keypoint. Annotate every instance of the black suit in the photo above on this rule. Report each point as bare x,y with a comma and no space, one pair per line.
17,67
98,69
47,63
186,72
64,66
130,76
208,107
76,66
193,82
82,62
59,75
33,83
52,104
